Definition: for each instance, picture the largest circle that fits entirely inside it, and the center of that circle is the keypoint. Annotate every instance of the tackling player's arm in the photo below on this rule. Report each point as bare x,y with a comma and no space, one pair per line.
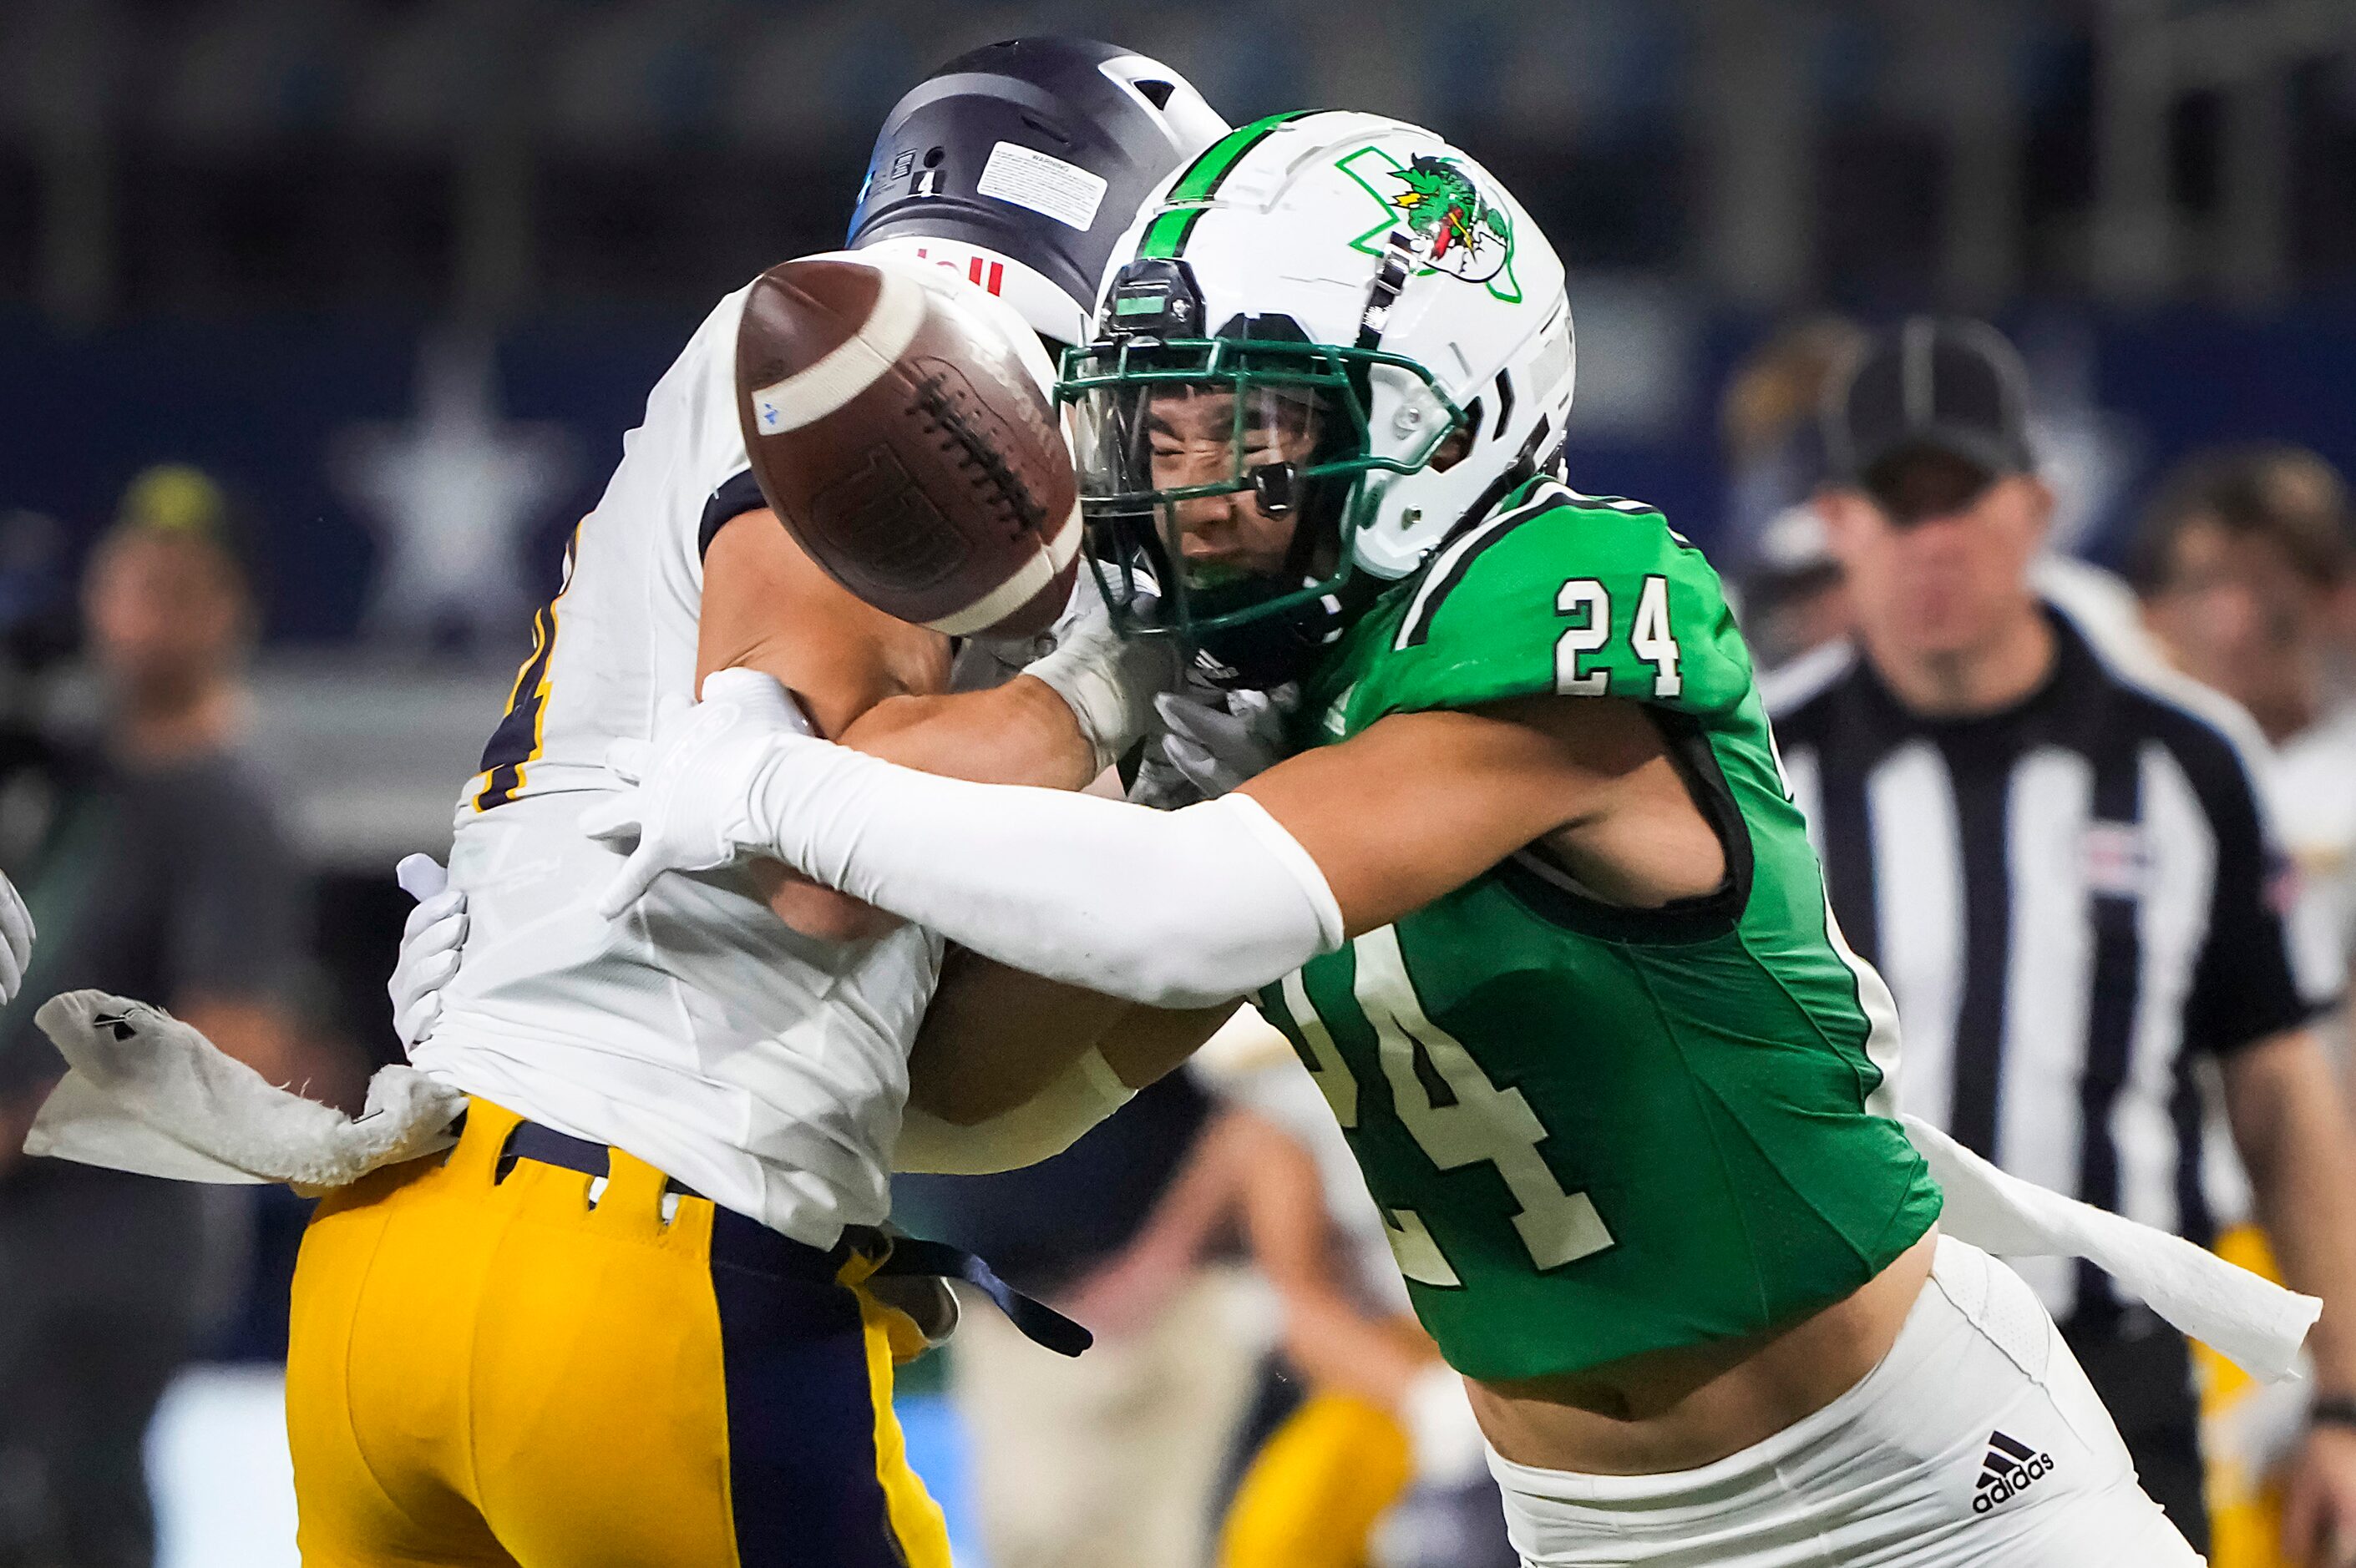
874,683
1420,803
1191,908
995,1037
1499,722
1416,806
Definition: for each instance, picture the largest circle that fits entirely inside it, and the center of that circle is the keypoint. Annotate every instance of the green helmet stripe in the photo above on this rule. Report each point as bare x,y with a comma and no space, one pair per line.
1166,235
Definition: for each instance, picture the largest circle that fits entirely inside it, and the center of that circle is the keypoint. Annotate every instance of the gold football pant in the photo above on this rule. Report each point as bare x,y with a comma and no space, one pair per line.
1312,1496
486,1367
2245,1502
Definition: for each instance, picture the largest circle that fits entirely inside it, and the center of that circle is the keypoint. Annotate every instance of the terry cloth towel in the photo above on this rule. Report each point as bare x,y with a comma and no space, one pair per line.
2253,1322
145,1093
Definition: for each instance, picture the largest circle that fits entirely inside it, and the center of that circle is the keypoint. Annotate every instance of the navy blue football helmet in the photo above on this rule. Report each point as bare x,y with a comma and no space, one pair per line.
1021,164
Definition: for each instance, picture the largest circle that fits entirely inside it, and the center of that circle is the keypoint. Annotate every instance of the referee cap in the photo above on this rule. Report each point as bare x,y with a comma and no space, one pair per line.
1946,386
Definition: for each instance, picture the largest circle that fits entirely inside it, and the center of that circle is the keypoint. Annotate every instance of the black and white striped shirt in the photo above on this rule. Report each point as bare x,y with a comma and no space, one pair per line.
2074,901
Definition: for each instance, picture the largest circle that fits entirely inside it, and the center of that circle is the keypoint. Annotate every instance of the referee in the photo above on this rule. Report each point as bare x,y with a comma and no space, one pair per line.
2060,868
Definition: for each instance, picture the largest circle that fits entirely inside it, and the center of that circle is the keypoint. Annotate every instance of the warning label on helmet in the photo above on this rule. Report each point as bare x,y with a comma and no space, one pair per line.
1064,192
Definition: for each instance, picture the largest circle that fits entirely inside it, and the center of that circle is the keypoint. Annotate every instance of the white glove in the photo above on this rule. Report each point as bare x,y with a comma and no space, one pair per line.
430,945
1158,786
1107,680
1211,740
145,1093
15,940
1217,740
693,799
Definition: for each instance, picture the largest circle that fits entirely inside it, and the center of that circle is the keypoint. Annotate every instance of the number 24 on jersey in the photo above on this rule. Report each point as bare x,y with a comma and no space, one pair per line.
1476,1122
1589,602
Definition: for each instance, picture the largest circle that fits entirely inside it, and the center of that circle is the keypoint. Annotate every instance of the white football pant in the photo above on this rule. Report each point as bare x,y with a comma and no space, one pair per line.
1977,1443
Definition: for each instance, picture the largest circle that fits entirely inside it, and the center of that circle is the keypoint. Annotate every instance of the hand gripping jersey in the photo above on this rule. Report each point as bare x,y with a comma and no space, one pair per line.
761,1068
1596,1131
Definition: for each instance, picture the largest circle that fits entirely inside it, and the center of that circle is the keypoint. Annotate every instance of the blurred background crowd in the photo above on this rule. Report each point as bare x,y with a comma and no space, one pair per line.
321,322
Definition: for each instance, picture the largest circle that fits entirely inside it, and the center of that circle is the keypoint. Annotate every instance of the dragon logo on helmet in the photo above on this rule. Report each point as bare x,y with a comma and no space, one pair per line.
1457,228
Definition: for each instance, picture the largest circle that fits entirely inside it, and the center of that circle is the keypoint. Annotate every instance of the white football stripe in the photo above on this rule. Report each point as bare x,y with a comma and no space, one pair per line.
808,396
1000,602
1066,542
1016,590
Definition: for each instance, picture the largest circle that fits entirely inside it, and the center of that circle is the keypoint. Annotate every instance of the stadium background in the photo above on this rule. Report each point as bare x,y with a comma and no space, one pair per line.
397,273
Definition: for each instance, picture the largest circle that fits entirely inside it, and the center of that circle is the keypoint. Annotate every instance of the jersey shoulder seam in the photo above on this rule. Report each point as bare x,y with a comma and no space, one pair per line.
1453,561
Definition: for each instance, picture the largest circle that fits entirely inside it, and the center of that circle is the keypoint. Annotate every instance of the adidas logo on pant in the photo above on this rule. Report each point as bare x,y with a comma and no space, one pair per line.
2011,1468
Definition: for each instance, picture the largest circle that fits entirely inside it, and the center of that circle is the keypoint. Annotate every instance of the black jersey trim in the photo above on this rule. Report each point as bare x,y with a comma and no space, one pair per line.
1456,560
1983,833
2114,992
737,495
1552,896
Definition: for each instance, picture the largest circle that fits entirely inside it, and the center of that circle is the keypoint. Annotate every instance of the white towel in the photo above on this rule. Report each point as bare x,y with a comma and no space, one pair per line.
145,1093
2253,1322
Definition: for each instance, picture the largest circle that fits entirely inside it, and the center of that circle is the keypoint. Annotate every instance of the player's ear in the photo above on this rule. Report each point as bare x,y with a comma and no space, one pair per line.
2040,504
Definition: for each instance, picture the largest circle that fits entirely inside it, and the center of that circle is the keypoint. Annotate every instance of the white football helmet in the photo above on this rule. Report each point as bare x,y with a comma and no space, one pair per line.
1334,333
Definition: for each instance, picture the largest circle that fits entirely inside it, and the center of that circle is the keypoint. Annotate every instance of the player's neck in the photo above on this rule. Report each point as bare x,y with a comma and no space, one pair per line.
2283,713
1983,677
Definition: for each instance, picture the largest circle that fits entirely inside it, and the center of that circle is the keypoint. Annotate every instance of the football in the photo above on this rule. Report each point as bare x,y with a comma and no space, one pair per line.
902,435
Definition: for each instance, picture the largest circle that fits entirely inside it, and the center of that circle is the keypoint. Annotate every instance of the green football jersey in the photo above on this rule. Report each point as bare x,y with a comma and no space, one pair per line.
1596,1131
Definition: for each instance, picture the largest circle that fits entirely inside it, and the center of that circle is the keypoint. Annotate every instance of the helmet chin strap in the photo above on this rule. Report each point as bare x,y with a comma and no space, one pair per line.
1391,275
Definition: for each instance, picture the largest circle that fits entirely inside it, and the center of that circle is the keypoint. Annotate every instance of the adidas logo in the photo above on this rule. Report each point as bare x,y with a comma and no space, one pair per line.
2011,1468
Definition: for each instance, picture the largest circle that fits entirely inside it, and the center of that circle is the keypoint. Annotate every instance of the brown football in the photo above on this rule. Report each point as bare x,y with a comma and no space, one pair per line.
897,434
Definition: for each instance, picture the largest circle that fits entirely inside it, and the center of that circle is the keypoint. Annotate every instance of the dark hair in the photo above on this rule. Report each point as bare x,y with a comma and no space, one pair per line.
2266,489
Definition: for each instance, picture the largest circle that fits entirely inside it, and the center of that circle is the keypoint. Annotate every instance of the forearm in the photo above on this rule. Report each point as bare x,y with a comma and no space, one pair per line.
1172,909
1010,1069
2304,1205
1018,733
994,1038
265,1035
1336,1345
1199,1200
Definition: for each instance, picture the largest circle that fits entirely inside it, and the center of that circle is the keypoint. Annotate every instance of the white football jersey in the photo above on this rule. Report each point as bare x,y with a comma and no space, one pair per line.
2316,814
763,1069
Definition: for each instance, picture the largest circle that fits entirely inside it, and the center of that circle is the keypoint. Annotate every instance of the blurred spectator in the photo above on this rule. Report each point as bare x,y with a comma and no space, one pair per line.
2243,561
1108,1461
163,875
2060,868
1790,584
2246,563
